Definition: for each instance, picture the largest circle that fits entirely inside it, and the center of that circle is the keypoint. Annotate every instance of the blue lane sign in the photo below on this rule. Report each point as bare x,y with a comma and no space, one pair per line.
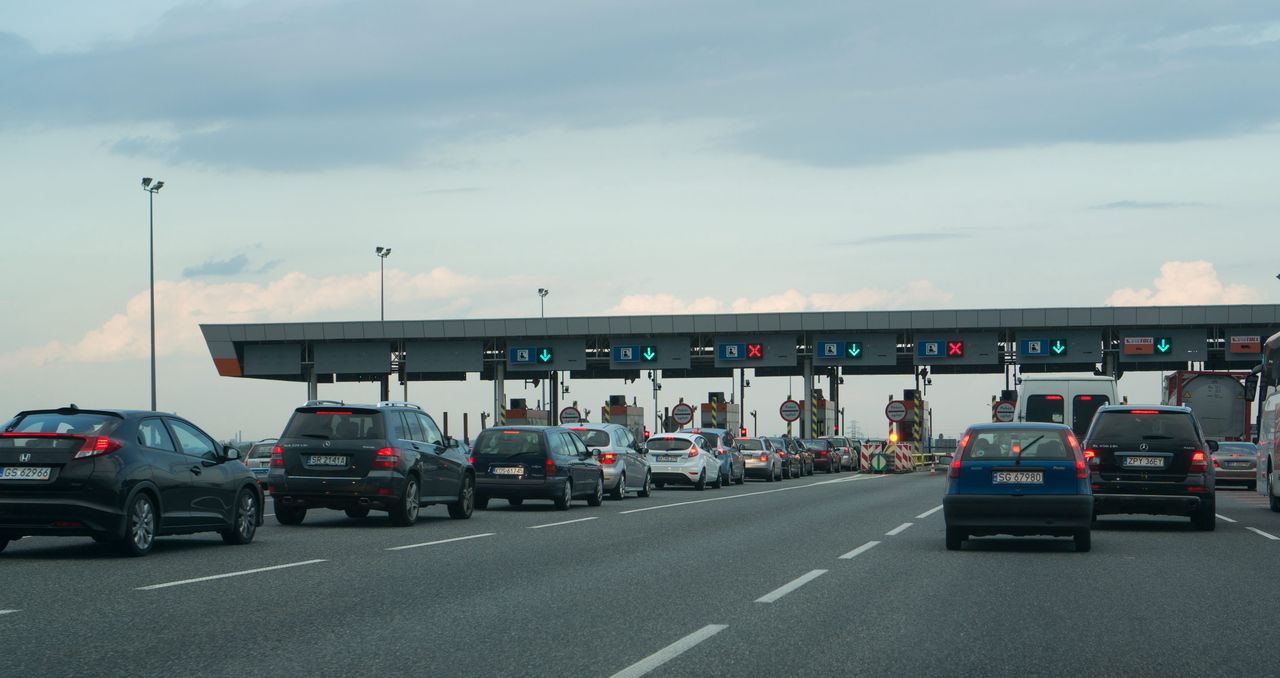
930,349
626,354
522,356
732,351
1033,347
830,349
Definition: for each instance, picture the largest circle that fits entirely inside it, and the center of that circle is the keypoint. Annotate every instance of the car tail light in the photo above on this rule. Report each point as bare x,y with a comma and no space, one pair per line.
1198,464
822,453
1216,464
471,460
1053,397
333,412
277,456
955,468
1091,456
1196,488
764,456
95,446
608,458
693,451
1082,471
386,458
1084,398
550,468
1144,411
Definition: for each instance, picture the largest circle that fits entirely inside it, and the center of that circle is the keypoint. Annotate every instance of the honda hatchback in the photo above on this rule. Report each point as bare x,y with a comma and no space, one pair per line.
1018,479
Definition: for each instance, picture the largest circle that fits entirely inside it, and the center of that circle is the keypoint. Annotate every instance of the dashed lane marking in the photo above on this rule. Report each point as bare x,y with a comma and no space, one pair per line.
1222,517
229,574
441,541
898,530
790,586
859,551
1255,530
930,512
670,652
563,522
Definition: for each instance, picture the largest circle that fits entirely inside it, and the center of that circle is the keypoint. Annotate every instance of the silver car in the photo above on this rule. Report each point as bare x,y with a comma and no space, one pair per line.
1236,463
762,458
258,459
625,464
683,458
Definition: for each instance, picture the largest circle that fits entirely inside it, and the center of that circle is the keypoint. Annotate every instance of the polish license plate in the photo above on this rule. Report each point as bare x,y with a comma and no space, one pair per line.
25,472
1017,478
1144,462
327,460
508,471
668,457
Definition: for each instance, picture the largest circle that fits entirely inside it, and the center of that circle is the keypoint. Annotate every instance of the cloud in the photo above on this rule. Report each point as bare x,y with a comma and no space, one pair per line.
1146,205
236,265
1186,283
915,294
1231,36
907,237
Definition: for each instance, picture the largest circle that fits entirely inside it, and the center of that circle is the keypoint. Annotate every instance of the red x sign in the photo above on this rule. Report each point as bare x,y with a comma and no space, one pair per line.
755,351
955,349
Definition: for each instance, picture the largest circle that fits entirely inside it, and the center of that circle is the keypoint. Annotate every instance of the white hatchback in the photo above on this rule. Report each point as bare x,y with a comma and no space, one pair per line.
684,459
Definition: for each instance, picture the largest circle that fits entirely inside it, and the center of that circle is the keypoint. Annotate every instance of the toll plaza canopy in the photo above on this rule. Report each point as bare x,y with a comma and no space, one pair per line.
1110,340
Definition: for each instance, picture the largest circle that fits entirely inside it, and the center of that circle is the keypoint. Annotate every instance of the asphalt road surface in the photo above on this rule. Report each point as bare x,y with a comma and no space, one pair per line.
821,576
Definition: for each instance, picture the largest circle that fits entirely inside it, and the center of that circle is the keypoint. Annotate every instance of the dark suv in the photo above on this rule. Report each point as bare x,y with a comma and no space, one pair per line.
390,457
1153,460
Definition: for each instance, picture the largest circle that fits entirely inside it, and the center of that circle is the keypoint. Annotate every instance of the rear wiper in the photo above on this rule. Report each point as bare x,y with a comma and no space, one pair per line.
1157,437
321,436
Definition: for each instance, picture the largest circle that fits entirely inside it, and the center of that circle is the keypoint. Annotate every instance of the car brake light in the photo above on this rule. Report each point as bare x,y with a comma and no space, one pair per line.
1084,398
822,453
1144,411
1082,471
471,460
1216,464
608,458
693,451
277,456
95,446
764,457
1053,397
511,433
386,458
1090,456
550,467
1198,464
955,468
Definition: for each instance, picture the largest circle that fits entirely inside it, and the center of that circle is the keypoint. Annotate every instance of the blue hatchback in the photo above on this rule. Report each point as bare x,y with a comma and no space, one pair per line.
1018,479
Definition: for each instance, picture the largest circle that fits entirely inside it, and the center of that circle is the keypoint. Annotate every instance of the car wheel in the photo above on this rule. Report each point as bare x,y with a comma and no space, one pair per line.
405,512
357,512
515,501
463,508
720,481
566,496
244,523
955,539
597,497
742,477
482,502
140,528
702,481
647,488
1084,540
4,543
289,515
1205,519
620,492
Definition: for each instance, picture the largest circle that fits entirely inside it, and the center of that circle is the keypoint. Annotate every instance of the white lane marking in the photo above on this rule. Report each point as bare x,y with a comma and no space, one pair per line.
788,588
1222,517
565,522
1255,530
898,530
670,652
229,574
8,611
930,512
740,496
859,551
441,541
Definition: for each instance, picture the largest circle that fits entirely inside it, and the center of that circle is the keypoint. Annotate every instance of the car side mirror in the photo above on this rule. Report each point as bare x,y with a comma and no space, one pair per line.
1213,446
585,454
230,453
449,441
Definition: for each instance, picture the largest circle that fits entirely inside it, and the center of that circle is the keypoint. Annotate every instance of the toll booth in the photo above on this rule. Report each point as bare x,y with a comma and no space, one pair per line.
519,414
617,411
828,419
716,413
915,427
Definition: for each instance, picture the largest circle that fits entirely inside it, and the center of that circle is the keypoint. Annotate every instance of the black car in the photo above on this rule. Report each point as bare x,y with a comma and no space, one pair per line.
792,454
121,477
1152,460
535,462
826,455
356,458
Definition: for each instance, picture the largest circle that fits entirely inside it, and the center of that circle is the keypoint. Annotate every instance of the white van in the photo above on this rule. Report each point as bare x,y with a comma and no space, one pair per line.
1065,400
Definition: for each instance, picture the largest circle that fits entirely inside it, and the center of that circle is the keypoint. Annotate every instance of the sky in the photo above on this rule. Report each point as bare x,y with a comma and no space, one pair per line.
632,157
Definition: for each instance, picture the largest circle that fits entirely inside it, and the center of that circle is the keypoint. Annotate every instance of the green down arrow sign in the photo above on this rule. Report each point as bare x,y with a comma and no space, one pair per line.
1164,345
854,350
1059,347
545,356
649,354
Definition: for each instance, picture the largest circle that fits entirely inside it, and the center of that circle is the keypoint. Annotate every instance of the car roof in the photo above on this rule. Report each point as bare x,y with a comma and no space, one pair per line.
683,435
1019,426
591,425
525,427
1178,409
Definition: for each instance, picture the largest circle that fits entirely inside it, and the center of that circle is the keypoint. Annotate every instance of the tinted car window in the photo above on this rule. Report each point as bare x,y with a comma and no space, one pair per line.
153,434
1083,407
1050,409
429,428
335,425
576,446
667,444
193,442
260,451
1144,425
1238,448
754,445
1010,444
78,424
414,426
817,444
592,437
711,439
510,443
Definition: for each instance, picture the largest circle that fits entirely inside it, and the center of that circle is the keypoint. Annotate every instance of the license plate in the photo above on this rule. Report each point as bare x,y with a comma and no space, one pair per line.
1018,478
508,471
327,460
668,457
1144,462
25,472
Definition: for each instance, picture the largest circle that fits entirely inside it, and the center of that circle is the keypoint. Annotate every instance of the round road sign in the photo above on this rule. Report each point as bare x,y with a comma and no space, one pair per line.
570,415
1003,411
790,411
682,413
896,410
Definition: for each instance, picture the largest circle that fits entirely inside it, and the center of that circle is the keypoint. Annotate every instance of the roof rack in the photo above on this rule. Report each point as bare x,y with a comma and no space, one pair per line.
314,403
399,403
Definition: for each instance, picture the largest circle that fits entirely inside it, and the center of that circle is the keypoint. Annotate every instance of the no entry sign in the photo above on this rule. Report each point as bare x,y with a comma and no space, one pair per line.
790,411
682,413
896,410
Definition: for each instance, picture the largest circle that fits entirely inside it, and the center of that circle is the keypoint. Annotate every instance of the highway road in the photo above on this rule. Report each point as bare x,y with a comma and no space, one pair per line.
826,575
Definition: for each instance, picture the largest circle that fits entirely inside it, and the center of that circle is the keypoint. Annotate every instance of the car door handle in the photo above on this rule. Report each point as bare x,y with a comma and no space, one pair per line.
196,470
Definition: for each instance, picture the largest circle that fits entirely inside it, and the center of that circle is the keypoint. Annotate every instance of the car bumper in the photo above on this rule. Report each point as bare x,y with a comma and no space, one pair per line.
519,488
1236,475
1024,515
1148,504
677,475
65,516
825,464
374,491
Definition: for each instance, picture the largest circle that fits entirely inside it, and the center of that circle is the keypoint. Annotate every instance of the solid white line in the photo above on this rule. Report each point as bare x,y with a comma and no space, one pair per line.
1222,517
229,574
740,496
898,530
566,522
441,541
669,652
788,588
1255,530
9,611
859,551
930,512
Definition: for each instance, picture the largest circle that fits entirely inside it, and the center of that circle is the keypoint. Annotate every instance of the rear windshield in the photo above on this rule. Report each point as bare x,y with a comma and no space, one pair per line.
1018,443
1238,448
83,423
1083,407
507,443
592,437
1144,425
1050,409
260,451
335,425
819,444
665,444
749,444
713,439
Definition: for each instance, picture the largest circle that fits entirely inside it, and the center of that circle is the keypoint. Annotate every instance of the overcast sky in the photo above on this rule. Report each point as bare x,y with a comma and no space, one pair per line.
633,157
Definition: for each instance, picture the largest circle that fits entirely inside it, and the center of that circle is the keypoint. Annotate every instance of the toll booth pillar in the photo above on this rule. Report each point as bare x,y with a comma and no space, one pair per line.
313,391
554,406
499,394
806,428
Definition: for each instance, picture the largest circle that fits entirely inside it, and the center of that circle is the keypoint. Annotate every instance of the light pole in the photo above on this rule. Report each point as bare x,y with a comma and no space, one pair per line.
755,424
151,268
382,253
542,313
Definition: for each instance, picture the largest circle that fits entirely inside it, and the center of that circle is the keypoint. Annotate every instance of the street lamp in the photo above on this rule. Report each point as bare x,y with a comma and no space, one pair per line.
151,267
542,313
755,424
382,253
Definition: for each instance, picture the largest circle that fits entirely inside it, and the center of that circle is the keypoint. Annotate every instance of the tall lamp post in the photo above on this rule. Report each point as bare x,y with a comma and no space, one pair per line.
382,253
151,190
542,313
